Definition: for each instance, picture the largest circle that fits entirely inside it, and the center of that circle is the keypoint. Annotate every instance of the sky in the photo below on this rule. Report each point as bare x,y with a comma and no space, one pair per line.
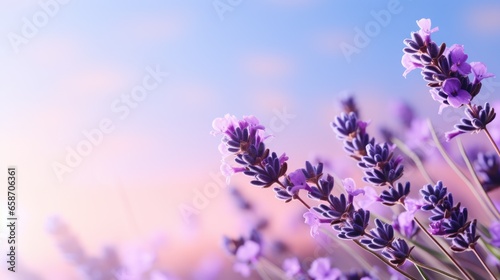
107,105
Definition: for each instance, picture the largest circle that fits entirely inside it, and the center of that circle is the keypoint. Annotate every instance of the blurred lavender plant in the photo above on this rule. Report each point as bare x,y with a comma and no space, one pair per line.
107,266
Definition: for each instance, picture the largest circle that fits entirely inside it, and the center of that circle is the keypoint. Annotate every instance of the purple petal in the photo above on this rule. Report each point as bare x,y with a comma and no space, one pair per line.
291,266
480,71
462,97
451,85
409,64
452,134
319,268
249,251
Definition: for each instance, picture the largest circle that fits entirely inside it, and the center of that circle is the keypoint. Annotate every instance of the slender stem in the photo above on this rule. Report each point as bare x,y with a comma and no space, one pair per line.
413,156
492,275
385,261
492,141
347,249
480,196
449,275
421,271
262,273
303,202
442,249
273,268
455,167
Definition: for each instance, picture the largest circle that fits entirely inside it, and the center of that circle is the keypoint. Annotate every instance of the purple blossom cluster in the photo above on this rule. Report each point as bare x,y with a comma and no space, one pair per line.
246,250
449,220
447,73
338,211
453,82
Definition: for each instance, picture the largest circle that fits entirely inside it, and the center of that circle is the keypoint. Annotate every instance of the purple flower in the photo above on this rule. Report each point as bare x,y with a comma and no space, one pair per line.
436,228
458,60
456,95
425,29
477,119
248,252
291,266
370,196
321,270
413,205
452,134
480,72
238,135
313,221
298,180
405,224
409,63
350,187
228,170
246,255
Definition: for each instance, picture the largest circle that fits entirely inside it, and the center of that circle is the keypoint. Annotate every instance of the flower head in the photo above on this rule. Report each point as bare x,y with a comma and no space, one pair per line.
425,29
458,60
322,270
456,95
477,119
480,72
311,219
291,266
350,187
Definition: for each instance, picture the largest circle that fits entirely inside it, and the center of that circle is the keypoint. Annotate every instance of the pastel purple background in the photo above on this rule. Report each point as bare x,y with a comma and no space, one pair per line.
260,58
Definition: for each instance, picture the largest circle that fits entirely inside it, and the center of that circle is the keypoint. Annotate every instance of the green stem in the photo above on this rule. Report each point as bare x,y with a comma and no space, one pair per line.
385,261
348,250
449,275
442,249
455,167
492,141
421,271
273,268
492,275
480,196
413,156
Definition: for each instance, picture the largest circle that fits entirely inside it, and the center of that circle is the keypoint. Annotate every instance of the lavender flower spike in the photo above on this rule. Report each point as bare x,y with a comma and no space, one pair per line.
477,119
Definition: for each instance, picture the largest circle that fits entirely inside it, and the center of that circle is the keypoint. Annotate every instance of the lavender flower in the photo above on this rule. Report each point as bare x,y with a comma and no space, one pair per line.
323,190
398,252
268,172
356,225
445,69
488,171
292,267
321,270
480,72
350,188
405,224
353,132
467,239
477,119
246,251
395,195
382,236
